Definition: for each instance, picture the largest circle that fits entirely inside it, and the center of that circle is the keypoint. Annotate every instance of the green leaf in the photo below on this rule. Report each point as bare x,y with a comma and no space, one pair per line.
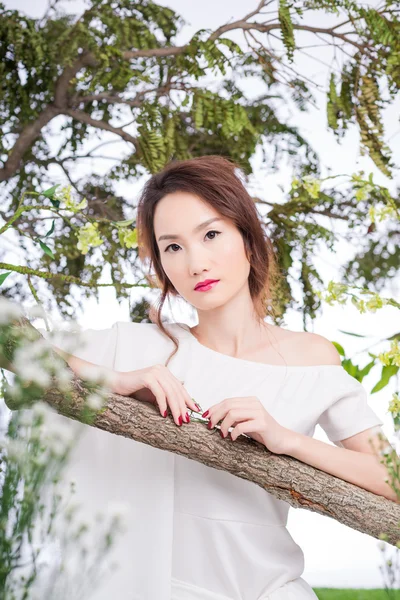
51,229
46,249
387,372
339,348
351,333
395,336
351,368
124,223
4,276
50,192
365,370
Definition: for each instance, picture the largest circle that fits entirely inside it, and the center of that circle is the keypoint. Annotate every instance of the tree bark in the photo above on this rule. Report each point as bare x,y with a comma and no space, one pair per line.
285,477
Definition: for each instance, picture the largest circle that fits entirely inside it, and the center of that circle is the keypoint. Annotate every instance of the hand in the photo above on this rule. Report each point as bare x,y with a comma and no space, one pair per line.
248,415
156,384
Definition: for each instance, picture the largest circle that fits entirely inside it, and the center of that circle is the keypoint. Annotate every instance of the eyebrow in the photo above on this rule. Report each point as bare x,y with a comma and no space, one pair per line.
197,228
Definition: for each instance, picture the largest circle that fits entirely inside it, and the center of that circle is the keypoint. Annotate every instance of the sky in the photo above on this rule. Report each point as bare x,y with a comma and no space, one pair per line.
335,555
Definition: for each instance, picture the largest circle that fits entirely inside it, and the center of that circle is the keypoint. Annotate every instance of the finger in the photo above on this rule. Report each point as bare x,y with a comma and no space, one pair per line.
235,416
159,394
217,412
180,395
173,400
244,427
189,400
183,394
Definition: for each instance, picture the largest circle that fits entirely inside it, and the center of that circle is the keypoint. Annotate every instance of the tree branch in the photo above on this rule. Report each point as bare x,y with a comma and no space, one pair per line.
83,117
25,140
286,478
66,278
87,59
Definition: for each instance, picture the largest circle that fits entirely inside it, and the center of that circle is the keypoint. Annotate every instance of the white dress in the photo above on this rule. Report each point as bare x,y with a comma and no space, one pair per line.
195,532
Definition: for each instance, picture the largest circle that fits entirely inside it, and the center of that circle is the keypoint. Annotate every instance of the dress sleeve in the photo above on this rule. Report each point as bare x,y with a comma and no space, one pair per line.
349,413
94,345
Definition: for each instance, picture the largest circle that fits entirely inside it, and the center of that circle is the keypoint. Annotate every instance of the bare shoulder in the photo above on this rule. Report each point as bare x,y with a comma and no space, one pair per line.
317,349
305,348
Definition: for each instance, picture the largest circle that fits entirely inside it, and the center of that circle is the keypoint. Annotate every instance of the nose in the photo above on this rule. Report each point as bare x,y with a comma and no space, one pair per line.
198,271
197,266
197,263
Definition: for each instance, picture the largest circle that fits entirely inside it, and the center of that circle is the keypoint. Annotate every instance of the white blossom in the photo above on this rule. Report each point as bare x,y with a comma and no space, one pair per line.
25,418
9,311
119,510
41,409
64,378
16,449
34,374
57,445
95,401
36,311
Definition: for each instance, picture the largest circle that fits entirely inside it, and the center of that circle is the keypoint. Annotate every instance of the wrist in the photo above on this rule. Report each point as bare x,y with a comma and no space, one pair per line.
114,381
290,442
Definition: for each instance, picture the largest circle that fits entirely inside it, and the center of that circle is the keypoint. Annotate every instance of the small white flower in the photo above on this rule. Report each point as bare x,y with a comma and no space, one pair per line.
64,378
91,372
95,401
14,391
41,409
16,449
56,445
381,545
25,418
118,509
9,311
35,375
63,430
42,459
35,311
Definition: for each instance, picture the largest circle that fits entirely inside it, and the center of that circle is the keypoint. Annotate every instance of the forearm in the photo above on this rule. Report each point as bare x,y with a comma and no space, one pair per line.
88,370
361,469
82,369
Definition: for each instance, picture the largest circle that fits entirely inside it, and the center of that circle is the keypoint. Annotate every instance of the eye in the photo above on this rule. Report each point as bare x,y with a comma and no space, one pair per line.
208,232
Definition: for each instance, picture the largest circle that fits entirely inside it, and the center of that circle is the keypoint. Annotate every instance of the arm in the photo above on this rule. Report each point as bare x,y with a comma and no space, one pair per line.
360,468
82,368
358,460
85,369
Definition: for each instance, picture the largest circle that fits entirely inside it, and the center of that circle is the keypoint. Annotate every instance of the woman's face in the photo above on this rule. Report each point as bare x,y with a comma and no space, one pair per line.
214,251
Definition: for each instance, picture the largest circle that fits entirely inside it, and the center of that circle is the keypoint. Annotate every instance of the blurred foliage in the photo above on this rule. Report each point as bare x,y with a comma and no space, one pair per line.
72,85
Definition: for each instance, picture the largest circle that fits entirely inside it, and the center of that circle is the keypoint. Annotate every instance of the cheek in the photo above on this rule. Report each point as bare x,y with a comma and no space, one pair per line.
170,268
234,254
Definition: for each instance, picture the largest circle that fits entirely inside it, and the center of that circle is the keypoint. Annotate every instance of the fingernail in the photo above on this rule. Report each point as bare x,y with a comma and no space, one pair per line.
205,413
222,434
187,418
198,406
209,426
180,420
165,414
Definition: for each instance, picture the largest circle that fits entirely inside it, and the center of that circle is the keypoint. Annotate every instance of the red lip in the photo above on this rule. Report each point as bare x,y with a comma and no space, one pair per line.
205,282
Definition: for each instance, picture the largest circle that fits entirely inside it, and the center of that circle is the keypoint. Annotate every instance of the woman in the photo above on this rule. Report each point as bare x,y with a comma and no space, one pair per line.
195,532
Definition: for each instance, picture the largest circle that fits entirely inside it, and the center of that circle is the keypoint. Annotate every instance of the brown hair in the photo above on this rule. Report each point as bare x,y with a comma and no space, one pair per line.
213,179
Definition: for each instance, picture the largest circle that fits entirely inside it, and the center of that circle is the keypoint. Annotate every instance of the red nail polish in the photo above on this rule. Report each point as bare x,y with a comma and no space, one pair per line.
180,420
165,414
187,418
205,413
209,426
